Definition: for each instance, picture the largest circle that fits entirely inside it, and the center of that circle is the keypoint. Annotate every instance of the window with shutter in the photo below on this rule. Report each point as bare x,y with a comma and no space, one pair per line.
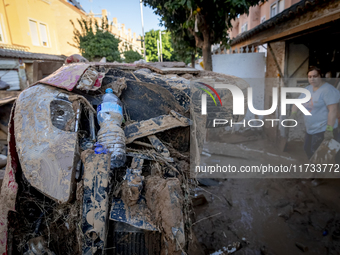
43,35
281,5
273,10
244,27
34,33
277,7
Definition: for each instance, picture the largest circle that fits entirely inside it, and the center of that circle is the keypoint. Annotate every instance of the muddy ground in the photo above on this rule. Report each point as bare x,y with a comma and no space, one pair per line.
271,215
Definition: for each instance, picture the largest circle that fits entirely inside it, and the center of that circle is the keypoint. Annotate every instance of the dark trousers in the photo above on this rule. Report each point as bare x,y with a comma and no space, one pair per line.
312,143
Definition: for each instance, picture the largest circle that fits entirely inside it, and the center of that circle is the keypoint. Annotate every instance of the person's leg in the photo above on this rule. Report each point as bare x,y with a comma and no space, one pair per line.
336,134
316,141
307,145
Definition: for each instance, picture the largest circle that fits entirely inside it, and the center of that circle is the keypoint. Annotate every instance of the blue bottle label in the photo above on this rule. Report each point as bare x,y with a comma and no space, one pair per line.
109,107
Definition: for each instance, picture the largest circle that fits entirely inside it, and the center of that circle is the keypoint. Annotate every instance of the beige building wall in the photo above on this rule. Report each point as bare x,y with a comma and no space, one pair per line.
17,15
6,37
43,26
63,13
257,15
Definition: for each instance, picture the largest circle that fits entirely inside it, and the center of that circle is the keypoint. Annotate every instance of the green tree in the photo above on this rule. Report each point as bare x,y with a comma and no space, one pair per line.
184,48
208,21
132,56
151,38
96,41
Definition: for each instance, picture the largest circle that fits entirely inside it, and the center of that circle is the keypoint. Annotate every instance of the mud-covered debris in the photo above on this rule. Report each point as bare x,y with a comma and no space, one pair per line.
143,101
137,215
117,84
38,246
155,125
143,70
133,183
222,251
147,154
149,77
75,58
43,154
208,182
336,235
301,246
326,152
153,104
83,100
119,73
95,210
169,67
187,76
2,175
199,200
264,250
159,146
319,219
286,212
179,87
194,246
166,64
130,208
230,249
90,80
165,200
66,77
7,100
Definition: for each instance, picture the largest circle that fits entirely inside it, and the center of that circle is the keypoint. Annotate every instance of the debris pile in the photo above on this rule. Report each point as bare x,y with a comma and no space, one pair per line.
6,104
69,199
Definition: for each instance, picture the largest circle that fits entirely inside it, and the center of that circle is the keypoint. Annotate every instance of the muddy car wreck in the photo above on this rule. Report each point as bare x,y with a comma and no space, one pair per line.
60,196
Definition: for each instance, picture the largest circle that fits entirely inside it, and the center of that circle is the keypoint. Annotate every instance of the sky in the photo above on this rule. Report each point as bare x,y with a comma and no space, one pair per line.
126,11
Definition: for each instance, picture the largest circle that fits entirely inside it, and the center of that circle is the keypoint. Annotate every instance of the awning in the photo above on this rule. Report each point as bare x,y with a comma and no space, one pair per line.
6,53
278,26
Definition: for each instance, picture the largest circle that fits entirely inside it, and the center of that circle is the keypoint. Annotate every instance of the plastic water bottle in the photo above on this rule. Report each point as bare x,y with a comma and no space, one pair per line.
111,135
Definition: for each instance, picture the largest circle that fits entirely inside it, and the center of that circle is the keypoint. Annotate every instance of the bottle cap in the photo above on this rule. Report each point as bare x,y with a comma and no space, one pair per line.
108,90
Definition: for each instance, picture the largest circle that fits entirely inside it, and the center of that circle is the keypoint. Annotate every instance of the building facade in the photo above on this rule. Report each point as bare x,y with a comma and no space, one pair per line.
258,14
40,30
302,35
128,40
43,26
38,26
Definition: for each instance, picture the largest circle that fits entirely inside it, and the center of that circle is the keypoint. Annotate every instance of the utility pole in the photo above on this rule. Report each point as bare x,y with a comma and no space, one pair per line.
143,39
158,49
160,42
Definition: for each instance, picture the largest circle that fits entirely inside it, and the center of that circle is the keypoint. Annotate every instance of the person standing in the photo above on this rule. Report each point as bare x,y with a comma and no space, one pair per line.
323,105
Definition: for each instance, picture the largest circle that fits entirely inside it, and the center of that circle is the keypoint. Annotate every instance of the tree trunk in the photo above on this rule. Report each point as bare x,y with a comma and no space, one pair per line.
206,50
204,44
193,60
